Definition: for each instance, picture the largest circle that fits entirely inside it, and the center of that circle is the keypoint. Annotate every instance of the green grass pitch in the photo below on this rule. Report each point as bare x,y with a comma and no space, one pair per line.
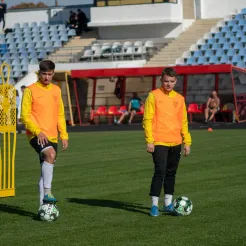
102,184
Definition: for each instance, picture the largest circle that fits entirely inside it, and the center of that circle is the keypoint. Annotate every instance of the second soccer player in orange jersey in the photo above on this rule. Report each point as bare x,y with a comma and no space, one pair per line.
42,112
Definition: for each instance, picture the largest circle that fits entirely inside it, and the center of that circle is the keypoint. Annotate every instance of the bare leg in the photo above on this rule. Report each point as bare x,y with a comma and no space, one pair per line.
206,114
122,117
213,112
132,115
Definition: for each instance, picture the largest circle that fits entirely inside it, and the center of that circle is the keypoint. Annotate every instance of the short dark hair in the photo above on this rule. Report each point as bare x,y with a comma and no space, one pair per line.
46,65
23,87
169,71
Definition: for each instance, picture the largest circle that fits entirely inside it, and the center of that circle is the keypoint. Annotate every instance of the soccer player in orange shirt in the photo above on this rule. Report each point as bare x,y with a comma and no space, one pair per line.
42,112
166,128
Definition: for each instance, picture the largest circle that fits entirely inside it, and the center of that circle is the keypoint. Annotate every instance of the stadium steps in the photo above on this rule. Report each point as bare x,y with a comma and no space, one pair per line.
73,47
168,55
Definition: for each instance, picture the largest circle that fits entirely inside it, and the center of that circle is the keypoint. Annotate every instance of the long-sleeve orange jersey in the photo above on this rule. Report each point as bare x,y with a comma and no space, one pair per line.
150,113
30,118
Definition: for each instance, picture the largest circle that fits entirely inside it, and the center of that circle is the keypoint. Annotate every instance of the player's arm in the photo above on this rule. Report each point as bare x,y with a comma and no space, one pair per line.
26,107
62,128
218,103
129,106
185,132
208,102
149,112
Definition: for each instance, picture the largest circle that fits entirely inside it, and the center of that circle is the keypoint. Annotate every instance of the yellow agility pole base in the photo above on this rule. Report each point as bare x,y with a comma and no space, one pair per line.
7,135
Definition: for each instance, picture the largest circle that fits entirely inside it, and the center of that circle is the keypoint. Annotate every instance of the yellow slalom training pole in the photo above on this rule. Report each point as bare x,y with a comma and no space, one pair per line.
8,134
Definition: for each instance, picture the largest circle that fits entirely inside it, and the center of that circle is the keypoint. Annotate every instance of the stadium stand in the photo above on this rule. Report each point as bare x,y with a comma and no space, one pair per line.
224,44
28,44
72,50
128,49
169,54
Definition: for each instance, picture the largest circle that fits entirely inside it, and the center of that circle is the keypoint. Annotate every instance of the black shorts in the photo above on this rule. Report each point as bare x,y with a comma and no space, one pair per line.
39,149
136,109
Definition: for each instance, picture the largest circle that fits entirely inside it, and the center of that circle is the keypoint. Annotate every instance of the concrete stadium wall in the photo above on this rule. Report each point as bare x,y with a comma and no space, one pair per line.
139,21
163,30
51,15
218,8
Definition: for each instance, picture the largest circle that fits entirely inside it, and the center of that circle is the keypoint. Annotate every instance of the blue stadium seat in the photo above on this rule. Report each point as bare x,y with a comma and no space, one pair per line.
232,40
214,60
242,22
236,59
58,44
227,46
239,17
197,53
231,52
225,29
202,60
219,52
241,64
224,59
71,33
222,40
218,35
236,29
238,46
216,46
191,61
242,52
231,23
204,47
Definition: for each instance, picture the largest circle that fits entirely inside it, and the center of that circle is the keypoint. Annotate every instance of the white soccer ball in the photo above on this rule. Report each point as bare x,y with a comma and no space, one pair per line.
182,206
48,212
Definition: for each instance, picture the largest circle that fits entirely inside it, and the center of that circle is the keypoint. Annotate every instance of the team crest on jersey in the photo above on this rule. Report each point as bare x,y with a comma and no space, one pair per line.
175,104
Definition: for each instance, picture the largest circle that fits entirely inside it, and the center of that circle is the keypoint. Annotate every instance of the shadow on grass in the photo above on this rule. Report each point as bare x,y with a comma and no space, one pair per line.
16,210
130,207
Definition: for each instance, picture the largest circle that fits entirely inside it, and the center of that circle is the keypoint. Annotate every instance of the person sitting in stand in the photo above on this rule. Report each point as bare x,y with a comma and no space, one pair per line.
213,106
134,106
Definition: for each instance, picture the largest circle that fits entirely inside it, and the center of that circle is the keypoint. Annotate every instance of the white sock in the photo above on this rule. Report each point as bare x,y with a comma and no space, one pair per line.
47,174
167,199
155,200
41,190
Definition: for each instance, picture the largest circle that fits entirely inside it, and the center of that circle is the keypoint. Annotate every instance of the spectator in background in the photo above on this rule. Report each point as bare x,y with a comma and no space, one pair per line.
134,106
213,106
3,8
23,87
82,20
17,106
74,24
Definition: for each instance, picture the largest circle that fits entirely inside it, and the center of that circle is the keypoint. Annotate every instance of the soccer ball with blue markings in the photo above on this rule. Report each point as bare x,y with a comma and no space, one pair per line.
48,212
182,206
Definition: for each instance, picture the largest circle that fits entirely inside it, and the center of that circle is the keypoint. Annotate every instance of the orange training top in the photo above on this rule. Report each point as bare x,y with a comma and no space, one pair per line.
43,111
165,118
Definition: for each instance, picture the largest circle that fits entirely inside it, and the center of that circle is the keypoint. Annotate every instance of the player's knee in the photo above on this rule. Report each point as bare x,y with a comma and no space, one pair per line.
50,156
160,173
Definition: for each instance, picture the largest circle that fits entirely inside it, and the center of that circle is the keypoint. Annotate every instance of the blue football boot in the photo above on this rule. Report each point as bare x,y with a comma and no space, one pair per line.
154,211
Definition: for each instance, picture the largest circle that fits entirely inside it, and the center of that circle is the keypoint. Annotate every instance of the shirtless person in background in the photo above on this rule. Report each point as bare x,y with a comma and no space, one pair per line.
213,106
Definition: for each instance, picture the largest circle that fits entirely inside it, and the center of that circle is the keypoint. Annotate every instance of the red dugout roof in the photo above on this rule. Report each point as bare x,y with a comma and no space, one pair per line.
152,71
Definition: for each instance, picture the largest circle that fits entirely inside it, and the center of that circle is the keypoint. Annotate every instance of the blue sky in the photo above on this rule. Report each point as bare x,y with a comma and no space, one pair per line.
49,2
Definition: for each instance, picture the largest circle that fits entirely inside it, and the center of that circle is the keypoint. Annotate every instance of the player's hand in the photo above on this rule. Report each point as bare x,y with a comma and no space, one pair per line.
42,139
150,147
64,144
186,150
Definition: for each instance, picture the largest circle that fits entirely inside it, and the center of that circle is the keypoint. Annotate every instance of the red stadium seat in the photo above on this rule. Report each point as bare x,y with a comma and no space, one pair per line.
101,111
193,109
141,110
123,109
112,111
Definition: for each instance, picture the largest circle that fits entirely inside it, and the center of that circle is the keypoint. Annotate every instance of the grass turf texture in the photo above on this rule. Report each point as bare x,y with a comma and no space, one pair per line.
102,184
